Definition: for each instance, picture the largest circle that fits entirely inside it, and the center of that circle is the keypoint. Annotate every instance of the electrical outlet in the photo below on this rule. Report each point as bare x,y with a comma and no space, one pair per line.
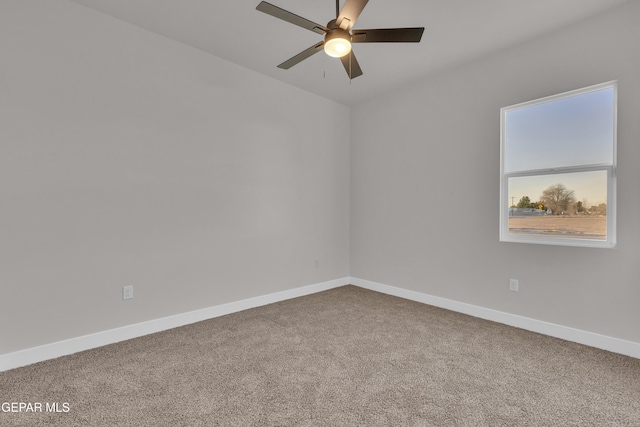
513,285
127,292
317,264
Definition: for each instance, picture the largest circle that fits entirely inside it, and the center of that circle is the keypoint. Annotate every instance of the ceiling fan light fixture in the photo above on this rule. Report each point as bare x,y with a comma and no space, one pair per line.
337,43
338,34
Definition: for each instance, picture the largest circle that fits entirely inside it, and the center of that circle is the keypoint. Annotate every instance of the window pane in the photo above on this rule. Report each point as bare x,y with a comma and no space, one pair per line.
570,131
566,205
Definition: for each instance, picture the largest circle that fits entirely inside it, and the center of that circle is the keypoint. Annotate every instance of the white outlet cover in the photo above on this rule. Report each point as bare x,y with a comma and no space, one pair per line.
127,292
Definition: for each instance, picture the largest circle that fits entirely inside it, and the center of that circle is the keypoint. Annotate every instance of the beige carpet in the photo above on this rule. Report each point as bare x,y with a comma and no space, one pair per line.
344,357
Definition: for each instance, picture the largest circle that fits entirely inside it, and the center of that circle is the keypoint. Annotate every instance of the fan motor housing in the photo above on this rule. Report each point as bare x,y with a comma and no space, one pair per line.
337,33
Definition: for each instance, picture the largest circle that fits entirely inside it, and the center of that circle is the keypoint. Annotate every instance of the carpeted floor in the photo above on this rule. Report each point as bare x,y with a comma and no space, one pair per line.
344,357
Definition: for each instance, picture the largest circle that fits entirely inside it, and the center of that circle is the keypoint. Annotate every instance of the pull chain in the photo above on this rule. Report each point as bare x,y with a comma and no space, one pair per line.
324,67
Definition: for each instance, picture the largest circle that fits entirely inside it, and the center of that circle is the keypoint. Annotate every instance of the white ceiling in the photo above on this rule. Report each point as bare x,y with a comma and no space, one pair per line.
456,31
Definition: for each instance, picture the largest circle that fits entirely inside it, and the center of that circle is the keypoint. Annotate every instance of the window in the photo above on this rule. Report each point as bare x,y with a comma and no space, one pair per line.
558,169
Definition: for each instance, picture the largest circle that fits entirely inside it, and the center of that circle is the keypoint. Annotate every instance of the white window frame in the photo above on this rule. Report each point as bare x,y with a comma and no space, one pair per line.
610,241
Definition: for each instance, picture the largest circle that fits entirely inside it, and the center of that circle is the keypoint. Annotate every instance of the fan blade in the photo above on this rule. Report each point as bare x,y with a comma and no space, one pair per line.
292,18
351,65
301,56
350,12
388,35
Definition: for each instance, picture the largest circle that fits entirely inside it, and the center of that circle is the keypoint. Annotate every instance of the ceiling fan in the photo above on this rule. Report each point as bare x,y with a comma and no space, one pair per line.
338,34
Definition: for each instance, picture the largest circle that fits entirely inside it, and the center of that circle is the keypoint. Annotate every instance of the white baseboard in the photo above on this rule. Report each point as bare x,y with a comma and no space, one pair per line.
616,345
86,342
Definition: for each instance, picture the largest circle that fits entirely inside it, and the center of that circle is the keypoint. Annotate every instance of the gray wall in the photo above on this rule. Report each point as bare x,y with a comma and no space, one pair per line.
127,158
425,184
